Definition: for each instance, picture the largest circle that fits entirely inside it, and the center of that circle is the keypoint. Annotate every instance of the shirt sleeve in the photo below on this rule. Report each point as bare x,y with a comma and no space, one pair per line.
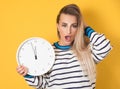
36,81
99,44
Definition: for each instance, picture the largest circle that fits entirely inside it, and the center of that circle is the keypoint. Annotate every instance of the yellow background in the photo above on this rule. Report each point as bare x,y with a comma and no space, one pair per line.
21,19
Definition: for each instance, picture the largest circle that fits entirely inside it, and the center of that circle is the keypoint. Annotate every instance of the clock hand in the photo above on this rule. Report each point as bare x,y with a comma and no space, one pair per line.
35,53
34,50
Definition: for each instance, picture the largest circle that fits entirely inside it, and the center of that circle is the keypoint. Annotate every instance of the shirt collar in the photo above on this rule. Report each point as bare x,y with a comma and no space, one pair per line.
62,47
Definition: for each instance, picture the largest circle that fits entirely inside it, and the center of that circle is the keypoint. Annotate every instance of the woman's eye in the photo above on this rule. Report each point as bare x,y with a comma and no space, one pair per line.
64,25
75,26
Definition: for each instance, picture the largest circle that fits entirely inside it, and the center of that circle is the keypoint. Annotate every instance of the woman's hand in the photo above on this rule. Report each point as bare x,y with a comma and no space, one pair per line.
22,70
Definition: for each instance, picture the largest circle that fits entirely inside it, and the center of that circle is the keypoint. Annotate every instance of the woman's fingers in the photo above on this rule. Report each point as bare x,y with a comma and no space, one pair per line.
25,71
22,70
19,69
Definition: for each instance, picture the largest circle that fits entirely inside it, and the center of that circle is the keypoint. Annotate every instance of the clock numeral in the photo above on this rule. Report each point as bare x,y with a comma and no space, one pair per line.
28,43
43,42
48,63
48,48
42,69
50,56
22,49
35,41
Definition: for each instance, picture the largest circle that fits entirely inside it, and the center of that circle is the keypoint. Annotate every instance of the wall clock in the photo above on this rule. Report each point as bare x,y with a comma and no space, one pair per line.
37,54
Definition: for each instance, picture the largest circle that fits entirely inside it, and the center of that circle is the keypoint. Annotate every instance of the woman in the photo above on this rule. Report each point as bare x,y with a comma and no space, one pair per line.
75,58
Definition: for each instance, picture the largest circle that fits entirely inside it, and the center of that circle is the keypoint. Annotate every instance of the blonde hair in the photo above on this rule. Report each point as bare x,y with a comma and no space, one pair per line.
83,52
80,46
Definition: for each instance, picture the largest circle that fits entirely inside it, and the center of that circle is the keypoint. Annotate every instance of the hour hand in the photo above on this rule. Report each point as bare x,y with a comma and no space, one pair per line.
35,51
36,57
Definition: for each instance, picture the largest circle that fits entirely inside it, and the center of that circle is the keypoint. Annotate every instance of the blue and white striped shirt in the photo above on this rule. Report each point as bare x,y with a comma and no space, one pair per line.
67,72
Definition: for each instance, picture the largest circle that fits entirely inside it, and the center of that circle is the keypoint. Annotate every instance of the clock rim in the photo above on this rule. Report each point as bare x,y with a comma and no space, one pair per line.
22,44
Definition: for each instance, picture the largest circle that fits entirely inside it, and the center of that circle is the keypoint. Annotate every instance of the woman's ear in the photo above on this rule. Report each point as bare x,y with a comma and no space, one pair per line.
57,25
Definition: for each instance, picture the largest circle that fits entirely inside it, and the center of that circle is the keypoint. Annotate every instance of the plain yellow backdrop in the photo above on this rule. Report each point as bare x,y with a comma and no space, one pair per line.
21,19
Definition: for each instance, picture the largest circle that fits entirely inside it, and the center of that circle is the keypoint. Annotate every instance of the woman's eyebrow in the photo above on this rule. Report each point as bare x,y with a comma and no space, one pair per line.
64,23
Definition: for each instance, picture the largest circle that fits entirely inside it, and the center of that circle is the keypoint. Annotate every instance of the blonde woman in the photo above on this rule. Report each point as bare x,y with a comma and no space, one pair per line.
75,58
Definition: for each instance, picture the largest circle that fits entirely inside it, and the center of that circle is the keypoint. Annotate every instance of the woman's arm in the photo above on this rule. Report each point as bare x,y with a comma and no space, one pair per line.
100,45
35,81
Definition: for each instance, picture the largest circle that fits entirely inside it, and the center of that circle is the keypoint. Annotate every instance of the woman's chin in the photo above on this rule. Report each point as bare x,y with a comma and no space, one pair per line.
68,43
65,42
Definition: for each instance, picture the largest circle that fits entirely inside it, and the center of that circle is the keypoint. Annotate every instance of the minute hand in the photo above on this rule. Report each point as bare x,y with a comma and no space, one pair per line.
34,50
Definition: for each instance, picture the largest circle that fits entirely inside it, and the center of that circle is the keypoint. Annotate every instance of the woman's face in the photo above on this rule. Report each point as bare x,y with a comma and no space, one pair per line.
67,28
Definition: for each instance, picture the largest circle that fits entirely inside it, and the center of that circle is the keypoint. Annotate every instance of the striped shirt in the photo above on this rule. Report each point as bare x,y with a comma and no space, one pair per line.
67,72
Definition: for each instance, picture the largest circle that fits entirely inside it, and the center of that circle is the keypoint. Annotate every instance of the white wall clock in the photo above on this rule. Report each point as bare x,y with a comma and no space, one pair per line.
36,54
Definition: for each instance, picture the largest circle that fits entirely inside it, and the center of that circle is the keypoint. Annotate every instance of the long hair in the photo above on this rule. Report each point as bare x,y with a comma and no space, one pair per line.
80,46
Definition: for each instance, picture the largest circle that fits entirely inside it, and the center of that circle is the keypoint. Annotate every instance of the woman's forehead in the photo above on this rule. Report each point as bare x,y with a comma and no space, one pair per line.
67,18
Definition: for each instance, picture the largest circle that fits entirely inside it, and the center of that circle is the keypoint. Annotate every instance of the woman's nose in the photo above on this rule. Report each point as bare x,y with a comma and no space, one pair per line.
69,30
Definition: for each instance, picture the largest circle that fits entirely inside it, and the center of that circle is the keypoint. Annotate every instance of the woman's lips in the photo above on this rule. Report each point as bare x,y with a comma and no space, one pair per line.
68,38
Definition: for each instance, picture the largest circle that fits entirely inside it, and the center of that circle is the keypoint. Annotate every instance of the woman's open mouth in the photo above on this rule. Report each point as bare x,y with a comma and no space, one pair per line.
68,38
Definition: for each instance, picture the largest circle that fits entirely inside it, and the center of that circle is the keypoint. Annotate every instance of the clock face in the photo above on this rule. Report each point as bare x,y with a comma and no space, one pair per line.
37,55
